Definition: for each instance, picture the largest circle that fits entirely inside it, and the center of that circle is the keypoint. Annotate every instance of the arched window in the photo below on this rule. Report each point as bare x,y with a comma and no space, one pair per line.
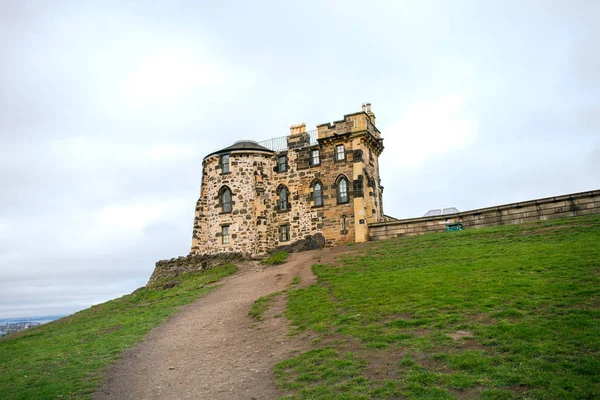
342,190
284,203
318,194
225,199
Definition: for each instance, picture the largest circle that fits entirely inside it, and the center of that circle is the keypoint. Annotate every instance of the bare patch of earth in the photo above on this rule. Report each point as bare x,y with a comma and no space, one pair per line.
456,336
212,348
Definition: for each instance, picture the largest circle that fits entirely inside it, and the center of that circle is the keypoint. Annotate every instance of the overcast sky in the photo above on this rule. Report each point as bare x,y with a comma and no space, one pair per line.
108,107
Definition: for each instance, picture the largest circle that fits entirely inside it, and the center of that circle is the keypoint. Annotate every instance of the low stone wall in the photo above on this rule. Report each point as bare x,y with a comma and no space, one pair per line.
569,205
191,263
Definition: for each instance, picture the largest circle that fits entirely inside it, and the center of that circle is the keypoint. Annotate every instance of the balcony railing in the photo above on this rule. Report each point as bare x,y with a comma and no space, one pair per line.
280,143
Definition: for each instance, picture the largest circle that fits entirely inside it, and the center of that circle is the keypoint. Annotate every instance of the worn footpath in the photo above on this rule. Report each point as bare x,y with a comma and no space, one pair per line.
212,348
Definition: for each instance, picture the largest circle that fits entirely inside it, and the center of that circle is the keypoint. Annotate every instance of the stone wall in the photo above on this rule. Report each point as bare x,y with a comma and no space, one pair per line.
575,204
191,263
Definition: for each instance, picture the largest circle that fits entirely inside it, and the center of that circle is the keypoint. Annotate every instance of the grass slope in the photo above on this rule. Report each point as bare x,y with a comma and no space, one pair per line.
67,358
499,313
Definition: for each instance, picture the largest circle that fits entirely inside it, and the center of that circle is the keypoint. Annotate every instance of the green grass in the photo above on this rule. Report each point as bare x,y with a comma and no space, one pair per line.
277,258
524,298
67,358
264,303
261,305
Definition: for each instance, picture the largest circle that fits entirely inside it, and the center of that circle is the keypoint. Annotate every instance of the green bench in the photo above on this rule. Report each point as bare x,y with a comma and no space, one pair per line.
455,226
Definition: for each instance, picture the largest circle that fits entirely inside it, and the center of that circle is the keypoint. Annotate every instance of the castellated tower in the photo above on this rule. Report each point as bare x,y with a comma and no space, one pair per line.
255,197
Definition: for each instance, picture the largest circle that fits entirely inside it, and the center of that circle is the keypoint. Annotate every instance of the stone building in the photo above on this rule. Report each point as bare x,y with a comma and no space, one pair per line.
255,197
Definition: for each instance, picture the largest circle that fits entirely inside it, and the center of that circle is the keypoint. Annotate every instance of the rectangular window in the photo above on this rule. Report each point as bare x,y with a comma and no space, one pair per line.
224,163
344,225
316,158
339,152
284,233
282,163
225,234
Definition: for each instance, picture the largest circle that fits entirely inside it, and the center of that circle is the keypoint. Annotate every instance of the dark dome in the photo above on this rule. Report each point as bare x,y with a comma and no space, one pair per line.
242,145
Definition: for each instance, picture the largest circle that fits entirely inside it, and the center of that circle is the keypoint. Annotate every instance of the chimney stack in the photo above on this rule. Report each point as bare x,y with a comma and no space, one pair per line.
370,113
298,129
364,107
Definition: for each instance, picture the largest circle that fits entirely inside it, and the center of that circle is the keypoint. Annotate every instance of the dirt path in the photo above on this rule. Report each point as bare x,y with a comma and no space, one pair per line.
210,349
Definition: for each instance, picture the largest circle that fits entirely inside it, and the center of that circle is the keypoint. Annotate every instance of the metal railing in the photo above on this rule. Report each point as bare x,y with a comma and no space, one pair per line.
280,143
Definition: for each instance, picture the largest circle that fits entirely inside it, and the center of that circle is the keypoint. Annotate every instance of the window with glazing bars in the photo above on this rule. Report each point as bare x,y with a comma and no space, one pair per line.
284,233
339,152
283,198
224,163
343,191
225,234
282,163
226,200
315,157
318,194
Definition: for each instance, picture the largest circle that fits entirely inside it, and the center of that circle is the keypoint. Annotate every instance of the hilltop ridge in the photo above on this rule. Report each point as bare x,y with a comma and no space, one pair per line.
494,313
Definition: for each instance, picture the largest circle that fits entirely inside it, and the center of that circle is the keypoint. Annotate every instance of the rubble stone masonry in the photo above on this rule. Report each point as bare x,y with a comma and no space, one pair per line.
255,177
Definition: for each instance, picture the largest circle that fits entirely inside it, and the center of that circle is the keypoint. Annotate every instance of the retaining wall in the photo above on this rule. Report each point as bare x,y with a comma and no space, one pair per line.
569,205
191,263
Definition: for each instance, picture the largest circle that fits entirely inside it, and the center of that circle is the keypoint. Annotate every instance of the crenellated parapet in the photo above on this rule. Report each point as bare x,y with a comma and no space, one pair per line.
356,124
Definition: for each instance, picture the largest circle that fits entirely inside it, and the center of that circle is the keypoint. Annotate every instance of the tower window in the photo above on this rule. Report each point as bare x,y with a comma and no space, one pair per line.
225,200
225,234
315,158
342,191
340,153
281,163
284,203
284,233
224,163
318,194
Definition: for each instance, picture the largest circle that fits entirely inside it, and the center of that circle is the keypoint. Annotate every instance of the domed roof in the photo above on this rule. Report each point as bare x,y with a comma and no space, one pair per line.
242,145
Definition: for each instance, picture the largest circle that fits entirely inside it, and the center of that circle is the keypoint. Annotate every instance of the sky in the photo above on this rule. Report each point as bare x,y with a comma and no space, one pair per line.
108,107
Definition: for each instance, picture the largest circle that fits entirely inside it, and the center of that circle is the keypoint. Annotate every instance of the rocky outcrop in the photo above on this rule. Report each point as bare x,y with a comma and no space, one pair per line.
314,242
191,263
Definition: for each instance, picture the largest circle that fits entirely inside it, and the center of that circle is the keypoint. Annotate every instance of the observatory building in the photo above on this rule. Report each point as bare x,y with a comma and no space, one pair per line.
256,197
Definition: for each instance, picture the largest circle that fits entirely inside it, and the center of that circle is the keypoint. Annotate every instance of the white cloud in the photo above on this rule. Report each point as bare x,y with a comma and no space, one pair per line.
169,82
168,76
127,221
3,229
430,129
119,225
92,152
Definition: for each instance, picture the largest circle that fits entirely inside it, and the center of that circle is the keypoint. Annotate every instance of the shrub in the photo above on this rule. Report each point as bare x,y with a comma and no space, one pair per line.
277,258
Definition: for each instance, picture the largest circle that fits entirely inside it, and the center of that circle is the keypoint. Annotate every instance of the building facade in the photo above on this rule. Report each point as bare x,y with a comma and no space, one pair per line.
255,197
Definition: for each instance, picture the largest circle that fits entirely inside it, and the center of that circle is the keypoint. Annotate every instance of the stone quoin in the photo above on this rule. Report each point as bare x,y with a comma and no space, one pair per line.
256,197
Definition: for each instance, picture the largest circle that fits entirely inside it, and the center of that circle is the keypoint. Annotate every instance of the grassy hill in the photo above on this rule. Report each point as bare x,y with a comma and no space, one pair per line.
66,358
499,313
